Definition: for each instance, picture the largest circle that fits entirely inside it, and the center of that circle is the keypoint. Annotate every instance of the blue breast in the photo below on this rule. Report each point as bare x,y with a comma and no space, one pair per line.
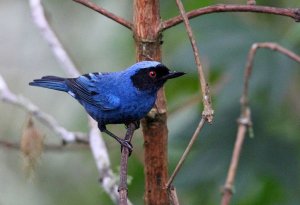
133,104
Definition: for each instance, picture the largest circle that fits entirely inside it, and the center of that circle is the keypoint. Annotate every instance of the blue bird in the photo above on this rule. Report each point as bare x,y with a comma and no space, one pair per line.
115,97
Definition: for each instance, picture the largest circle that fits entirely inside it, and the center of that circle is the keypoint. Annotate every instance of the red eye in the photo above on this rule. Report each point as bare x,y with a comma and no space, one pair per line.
152,74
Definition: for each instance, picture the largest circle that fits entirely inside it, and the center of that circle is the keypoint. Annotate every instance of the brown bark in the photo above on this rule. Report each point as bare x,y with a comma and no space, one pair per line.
148,47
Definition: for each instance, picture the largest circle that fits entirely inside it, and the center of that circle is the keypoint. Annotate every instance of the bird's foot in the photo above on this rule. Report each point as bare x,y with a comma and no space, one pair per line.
123,142
127,144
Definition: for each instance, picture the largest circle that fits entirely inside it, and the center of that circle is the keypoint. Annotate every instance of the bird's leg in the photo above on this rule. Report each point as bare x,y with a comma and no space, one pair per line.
136,124
122,142
130,128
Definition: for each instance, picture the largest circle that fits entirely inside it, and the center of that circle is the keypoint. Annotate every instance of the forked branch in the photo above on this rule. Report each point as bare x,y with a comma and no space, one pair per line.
207,114
245,117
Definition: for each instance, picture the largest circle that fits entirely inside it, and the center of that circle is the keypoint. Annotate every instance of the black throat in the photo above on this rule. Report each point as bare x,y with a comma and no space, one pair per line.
143,82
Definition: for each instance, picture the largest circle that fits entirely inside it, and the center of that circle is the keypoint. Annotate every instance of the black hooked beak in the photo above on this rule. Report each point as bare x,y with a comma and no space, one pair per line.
172,74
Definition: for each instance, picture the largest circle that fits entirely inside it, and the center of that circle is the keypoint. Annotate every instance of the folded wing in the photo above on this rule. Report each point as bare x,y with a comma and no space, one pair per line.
86,90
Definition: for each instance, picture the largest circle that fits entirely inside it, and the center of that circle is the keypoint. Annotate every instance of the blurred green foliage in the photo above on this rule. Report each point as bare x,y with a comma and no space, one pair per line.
269,169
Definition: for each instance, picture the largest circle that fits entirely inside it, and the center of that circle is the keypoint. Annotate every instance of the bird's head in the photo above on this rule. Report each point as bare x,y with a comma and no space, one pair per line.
151,75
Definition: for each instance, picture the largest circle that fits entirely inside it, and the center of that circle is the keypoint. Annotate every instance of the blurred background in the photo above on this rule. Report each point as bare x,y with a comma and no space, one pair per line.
269,168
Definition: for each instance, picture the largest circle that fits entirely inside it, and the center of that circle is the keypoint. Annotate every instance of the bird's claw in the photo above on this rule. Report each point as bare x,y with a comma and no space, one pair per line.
127,144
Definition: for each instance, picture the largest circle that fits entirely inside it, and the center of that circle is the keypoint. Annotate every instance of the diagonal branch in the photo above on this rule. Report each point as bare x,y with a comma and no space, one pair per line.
208,111
293,13
244,122
97,145
207,114
186,152
38,16
124,165
106,13
107,178
245,117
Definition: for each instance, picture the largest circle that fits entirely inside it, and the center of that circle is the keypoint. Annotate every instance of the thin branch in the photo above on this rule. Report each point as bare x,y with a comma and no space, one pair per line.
186,152
8,97
293,13
59,52
107,178
208,112
244,123
245,117
123,167
106,13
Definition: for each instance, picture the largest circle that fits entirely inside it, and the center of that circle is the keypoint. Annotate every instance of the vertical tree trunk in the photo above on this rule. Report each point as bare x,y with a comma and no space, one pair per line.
148,46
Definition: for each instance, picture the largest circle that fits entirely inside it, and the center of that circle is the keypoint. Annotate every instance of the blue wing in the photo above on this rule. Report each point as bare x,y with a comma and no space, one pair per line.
85,90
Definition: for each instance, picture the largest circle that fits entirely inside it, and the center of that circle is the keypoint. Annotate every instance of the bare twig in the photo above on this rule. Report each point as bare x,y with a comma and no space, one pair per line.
7,96
293,13
60,53
186,152
244,123
107,178
106,13
207,110
123,167
207,114
245,117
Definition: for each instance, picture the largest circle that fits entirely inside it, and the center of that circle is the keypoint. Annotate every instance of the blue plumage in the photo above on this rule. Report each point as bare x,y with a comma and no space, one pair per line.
116,97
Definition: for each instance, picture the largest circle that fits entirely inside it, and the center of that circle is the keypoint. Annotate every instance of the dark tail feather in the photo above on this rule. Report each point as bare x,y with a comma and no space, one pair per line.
51,82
